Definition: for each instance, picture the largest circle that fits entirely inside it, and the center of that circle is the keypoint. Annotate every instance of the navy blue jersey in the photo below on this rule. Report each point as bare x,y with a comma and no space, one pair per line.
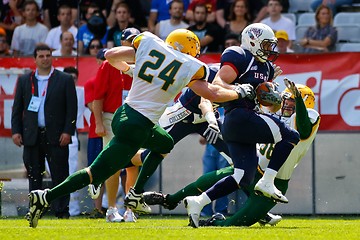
191,100
248,70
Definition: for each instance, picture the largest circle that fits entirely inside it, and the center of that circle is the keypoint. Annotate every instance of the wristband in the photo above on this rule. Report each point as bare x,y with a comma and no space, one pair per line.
210,118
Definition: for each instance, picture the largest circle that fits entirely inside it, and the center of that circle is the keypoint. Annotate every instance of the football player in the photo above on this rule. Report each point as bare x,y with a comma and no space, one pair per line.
298,112
244,126
162,70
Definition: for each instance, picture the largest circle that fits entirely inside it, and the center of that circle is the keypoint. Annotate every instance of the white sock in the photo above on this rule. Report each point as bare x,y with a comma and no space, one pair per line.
269,174
204,199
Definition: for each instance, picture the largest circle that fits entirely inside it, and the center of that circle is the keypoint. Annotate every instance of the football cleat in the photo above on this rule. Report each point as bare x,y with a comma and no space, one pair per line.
268,189
129,216
270,219
113,215
94,192
193,208
136,202
210,221
37,205
155,198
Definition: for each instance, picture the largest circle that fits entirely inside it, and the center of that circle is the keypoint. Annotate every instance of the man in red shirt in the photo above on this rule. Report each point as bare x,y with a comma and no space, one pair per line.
108,96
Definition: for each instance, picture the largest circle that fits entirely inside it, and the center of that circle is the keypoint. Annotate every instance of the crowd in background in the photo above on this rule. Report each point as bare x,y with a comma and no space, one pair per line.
73,28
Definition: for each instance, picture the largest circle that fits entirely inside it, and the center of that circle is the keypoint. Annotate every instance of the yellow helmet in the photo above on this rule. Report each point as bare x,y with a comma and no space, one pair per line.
307,95
184,41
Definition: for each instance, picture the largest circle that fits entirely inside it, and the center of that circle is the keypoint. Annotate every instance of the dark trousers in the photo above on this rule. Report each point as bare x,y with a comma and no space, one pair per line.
57,158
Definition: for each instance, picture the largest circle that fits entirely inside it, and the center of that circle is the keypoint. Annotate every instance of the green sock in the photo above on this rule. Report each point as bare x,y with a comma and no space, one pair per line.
149,166
72,183
202,184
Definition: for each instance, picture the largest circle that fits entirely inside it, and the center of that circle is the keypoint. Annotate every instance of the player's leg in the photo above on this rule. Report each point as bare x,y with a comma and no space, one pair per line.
255,207
160,144
176,132
131,130
285,139
243,156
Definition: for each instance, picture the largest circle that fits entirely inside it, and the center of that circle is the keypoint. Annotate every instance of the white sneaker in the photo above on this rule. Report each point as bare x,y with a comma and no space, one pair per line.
136,202
269,190
37,205
112,215
270,219
193,208
94,192
129,216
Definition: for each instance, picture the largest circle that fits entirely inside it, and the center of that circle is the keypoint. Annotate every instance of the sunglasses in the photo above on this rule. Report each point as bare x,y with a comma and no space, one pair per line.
95,46
2,40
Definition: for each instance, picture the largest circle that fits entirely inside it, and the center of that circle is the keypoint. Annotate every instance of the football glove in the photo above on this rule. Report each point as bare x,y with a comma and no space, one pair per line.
291,86
272,97
245,90
212,133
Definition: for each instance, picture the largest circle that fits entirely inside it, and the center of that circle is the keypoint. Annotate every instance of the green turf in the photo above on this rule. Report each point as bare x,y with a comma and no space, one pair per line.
173,228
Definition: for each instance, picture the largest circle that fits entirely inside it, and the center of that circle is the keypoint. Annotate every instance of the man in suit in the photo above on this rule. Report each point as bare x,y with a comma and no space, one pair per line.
43,120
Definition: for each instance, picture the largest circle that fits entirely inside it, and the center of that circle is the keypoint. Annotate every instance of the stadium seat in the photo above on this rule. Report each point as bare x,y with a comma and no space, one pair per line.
347,18
306,19
299,6
350,47
291,16
348,33
300,32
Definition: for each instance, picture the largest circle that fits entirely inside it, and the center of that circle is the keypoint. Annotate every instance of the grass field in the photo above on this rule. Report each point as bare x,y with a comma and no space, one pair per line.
175,227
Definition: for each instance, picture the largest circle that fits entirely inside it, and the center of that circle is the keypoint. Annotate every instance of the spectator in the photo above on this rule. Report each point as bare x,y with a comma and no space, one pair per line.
74,147
332,4
259,11
95,28
64,17
66,47
137,11
94,46
165,27
45,128
323,36
31,33
222,11
278,22
160,11
89,11
208,33
232,40
239,17
10,16
122,15
4,47
210,8
51,12
283,42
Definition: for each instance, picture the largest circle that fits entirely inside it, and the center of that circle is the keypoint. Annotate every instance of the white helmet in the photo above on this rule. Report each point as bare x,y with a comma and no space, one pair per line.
260,40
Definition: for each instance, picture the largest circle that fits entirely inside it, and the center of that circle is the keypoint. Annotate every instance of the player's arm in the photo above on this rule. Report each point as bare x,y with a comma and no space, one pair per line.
225,76
210,91
119,57
213,131
303,123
